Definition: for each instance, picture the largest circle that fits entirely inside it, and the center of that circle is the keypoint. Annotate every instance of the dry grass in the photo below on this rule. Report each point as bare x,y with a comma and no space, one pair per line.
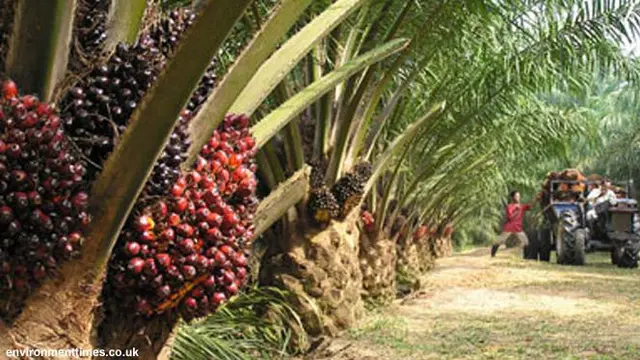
475,307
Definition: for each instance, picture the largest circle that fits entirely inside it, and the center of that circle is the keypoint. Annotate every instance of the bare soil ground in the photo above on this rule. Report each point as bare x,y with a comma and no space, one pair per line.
475,307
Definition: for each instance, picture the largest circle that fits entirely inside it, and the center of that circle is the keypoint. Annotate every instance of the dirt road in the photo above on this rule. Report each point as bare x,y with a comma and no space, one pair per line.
475,307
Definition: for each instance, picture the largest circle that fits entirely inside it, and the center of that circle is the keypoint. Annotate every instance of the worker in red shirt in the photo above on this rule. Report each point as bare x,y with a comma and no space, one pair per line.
513,225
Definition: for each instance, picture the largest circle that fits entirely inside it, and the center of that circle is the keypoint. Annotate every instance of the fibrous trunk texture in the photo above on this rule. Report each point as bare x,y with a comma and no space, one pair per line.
57,316
378,261
6,20
442,246
415,257
321,270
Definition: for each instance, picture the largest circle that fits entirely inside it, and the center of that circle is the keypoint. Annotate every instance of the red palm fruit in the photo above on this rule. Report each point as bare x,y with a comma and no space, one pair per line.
160,209
232,288
221,157
203,214
174,219
219,298
200,164
191,304
44,109
9,89
223,176
177,190
239,174
239,260
185,230
144,223
167,235
76,239
202,263
164,291
191,259
29,101
203,227
213,235
132,248
230,219
367,218
220,257
187,246
215,166
214,219
189,272
180,205
191,208
164,260
150,267
228,277
214,142
247,187
227,250
194,178
211,196
209,283
241,273
208,183
250,142
235,160
148,236
136,265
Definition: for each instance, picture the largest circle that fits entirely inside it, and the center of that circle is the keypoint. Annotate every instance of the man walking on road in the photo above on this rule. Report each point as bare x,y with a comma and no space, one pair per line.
513,225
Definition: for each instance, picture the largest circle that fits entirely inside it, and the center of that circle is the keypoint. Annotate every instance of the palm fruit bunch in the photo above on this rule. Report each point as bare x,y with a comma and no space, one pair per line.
421,232
168,32
187,252
569,184
90,25
368,221
322,205
349,189
98,109
448,230
43,198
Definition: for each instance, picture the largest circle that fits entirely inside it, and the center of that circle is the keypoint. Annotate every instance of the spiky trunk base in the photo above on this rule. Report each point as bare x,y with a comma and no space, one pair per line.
378,260
442,246
321,270
415,257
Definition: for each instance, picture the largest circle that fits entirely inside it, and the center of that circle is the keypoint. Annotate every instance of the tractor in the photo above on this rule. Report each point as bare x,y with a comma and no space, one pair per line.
568,230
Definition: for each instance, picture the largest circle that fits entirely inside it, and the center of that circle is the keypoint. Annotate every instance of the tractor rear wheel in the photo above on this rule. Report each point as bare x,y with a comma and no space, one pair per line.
628,258
570,242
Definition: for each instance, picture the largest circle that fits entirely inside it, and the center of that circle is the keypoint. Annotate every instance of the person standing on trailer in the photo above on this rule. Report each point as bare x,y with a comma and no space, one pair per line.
513,225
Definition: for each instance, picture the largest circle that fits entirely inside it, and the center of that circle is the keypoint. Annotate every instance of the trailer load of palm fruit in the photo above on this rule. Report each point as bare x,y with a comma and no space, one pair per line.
566,185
